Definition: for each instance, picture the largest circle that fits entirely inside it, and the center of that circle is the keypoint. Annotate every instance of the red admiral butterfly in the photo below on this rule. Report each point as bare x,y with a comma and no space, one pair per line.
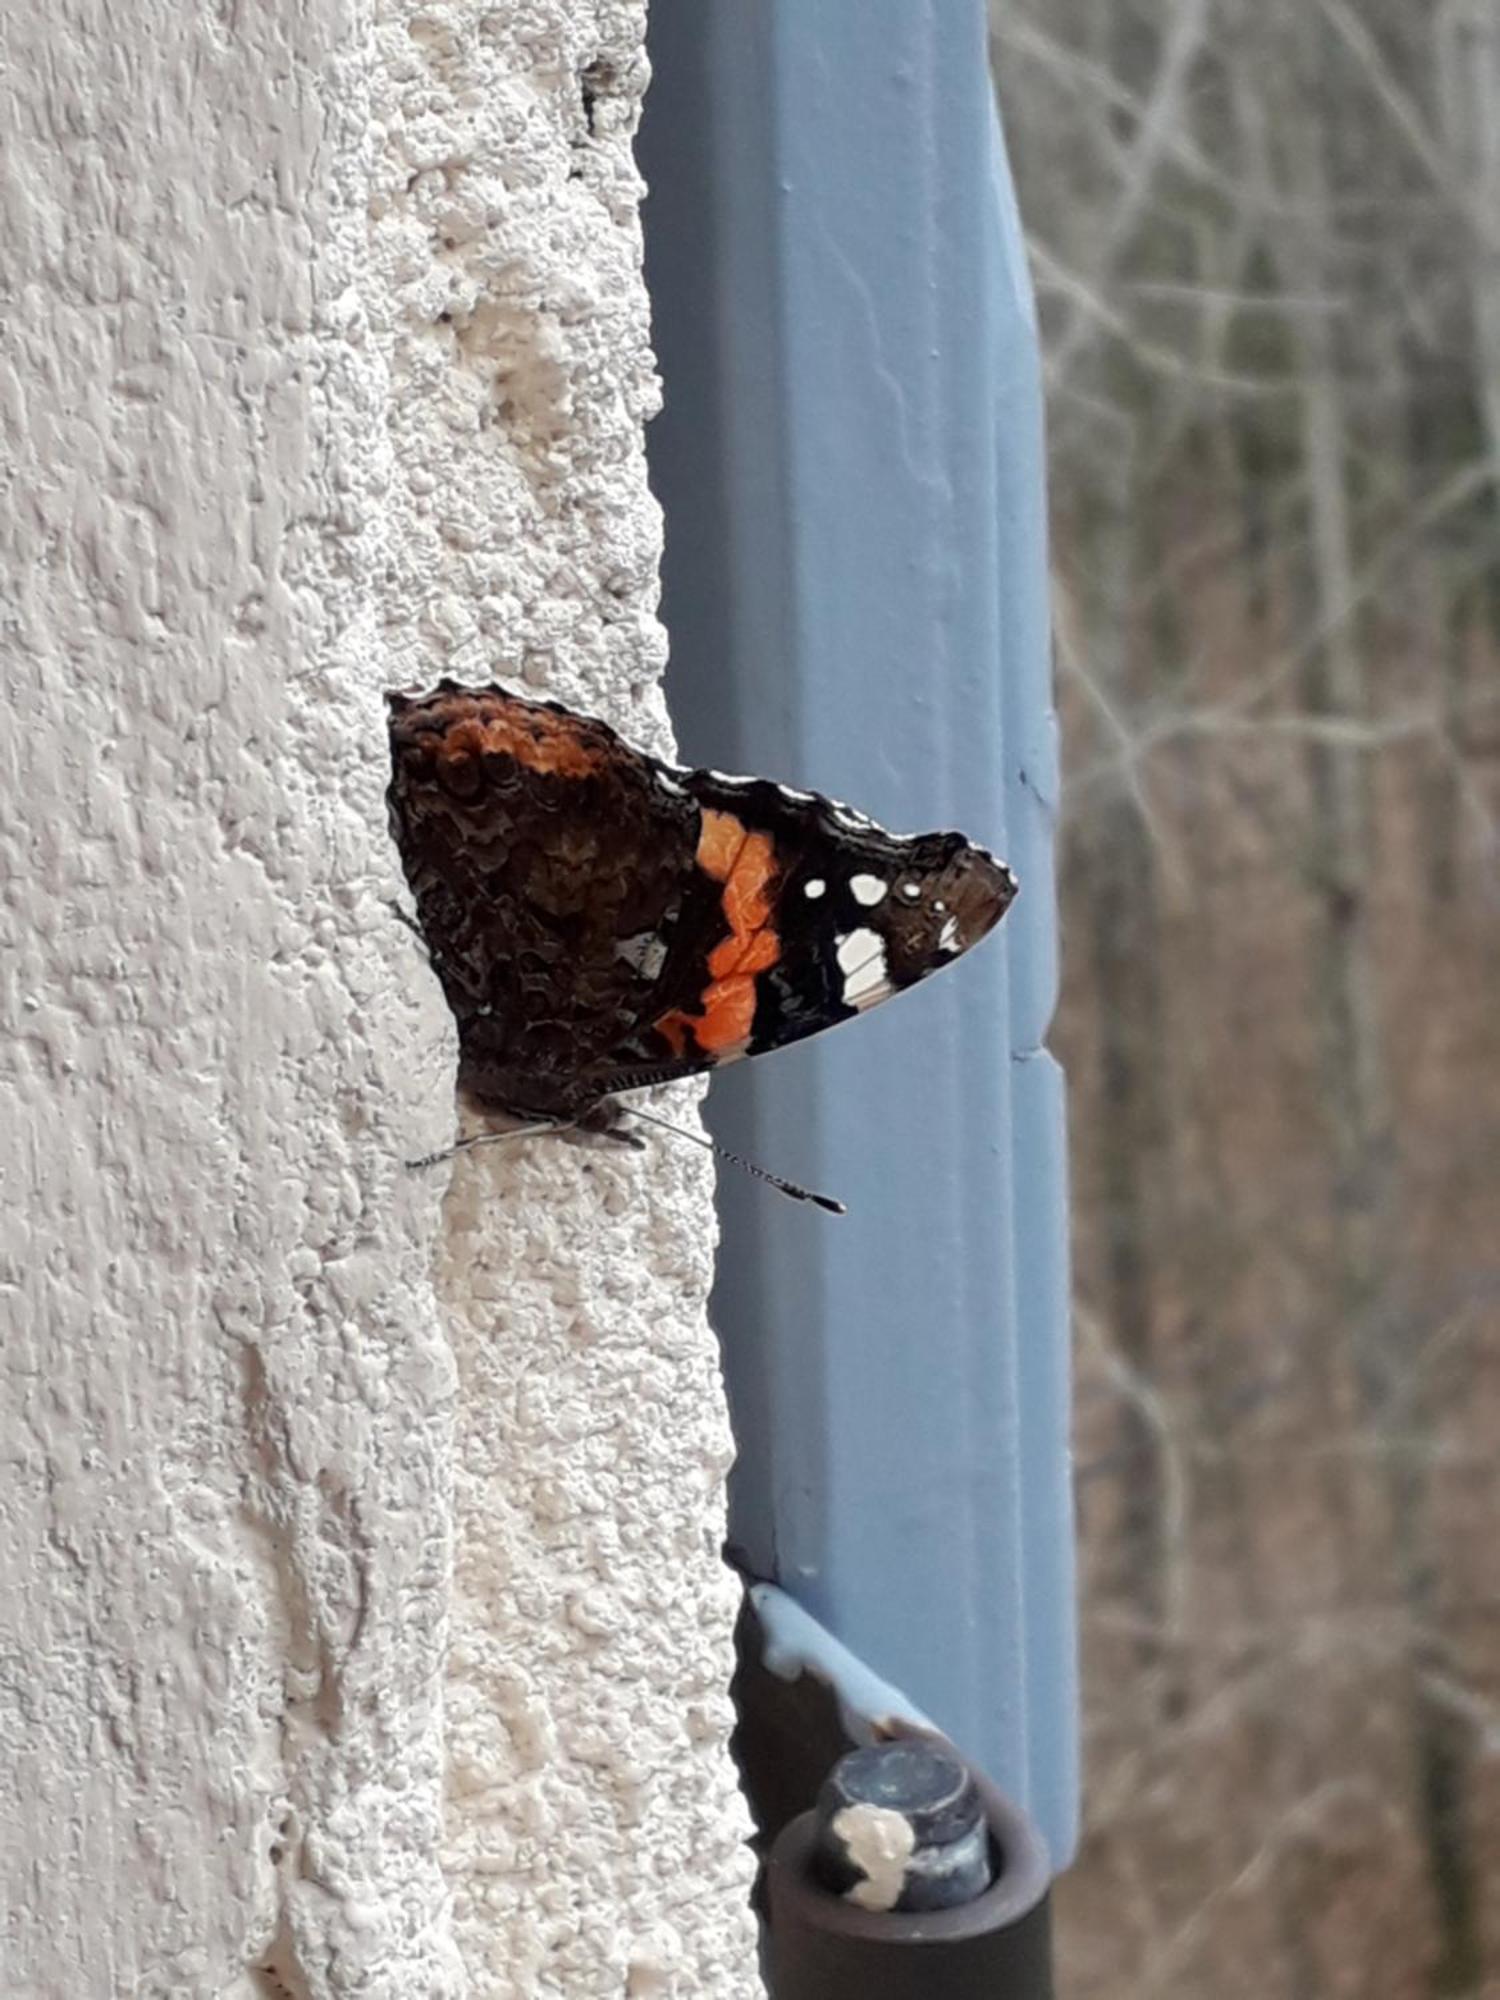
602,920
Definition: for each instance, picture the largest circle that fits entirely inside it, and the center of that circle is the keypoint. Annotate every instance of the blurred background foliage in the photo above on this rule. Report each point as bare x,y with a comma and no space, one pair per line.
1265,236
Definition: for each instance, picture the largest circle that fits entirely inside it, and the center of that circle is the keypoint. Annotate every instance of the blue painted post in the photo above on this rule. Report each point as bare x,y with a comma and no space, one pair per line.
850,462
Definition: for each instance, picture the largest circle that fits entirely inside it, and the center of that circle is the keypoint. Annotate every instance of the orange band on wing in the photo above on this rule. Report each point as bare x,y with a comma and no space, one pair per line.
728,1011
721,840
534,737
745,863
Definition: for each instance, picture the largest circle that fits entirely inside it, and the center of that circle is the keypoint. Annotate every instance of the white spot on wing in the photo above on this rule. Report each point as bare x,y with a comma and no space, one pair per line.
861,959
867,889
645,951
948,936
812,890
912,891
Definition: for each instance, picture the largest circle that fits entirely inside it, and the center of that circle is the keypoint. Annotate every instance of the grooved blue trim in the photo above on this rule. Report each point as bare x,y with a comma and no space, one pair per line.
850,463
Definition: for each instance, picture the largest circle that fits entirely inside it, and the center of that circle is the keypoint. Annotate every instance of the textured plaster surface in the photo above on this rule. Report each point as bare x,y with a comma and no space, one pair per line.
594,1831
227,1404
323,367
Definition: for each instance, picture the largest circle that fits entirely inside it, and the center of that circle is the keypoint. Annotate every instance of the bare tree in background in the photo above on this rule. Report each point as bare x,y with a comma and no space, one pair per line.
1266,241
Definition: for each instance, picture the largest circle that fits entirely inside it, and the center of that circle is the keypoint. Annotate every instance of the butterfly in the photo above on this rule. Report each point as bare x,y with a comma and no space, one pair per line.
601,920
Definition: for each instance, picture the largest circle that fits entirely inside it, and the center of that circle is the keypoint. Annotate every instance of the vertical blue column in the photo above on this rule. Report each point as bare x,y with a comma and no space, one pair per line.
851,468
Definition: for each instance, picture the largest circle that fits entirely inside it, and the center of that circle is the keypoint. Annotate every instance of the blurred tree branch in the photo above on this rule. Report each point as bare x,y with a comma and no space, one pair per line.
1266,239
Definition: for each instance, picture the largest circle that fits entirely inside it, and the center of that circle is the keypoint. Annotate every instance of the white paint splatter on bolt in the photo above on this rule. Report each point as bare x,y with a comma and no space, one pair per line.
879,1842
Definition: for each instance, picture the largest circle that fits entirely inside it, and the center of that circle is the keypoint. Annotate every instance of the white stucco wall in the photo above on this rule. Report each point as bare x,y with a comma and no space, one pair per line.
323,368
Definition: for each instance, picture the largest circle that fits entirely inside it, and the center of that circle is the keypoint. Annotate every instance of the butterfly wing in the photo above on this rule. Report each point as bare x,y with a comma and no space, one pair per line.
804,913
549,861
601,920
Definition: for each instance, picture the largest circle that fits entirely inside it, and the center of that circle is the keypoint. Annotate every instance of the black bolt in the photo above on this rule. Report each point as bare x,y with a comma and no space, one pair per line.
901,1826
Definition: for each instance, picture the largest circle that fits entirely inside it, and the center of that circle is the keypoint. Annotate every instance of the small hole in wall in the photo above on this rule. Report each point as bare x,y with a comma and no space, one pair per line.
269,1985
595,80
277,1976
281,1839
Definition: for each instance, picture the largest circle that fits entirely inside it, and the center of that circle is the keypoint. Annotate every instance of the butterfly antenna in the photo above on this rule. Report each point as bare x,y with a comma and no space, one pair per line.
789,1188
483,1139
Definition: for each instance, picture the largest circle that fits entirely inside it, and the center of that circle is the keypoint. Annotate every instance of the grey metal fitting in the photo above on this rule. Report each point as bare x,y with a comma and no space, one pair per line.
826,1944
901,1827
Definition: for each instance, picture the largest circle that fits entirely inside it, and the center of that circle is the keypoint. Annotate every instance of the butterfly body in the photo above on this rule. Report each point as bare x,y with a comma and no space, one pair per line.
600,919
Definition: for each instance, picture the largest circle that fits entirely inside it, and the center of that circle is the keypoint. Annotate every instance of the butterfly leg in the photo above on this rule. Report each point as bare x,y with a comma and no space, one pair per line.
489,1139
404,917
604,1121
432,955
